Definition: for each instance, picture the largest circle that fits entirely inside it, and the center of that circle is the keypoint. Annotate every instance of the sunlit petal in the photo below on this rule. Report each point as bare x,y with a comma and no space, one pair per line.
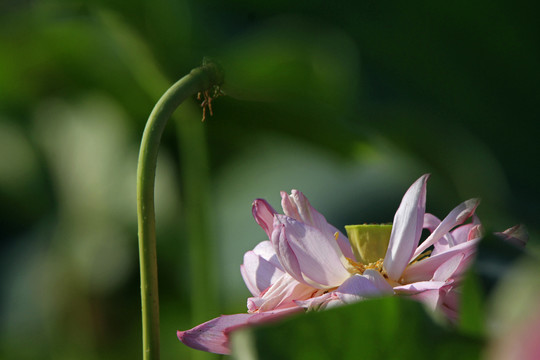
425,269
319,257
456,217
213,335
259,273
297,206
406,229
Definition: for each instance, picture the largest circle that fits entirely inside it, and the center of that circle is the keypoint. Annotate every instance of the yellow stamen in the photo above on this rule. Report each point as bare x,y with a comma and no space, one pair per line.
359,268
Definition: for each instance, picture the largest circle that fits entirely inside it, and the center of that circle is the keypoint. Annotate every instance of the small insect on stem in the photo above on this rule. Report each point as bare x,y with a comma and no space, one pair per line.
207,97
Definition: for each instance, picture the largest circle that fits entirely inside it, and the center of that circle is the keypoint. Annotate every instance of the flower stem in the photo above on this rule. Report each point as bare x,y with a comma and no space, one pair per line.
199,79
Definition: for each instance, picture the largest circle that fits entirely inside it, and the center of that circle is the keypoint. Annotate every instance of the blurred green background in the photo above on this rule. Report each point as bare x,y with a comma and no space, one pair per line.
349,102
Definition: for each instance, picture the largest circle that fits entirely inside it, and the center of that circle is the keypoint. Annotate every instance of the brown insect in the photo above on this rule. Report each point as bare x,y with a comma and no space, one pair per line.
207,96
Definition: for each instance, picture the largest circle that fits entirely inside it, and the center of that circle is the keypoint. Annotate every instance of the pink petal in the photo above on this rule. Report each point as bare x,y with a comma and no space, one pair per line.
298,207
259,273
475,233
265,250
379,281
431,298
431,293
456,217
264,215
425,269
356,288
305,248
343,242
282,294
431,222
213,335
249,279
303,211
315,303
464,265
287,258
461,233
406,229
450,304
448,268
418,287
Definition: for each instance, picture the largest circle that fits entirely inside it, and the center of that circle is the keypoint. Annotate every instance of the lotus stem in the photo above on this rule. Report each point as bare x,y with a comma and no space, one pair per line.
201,79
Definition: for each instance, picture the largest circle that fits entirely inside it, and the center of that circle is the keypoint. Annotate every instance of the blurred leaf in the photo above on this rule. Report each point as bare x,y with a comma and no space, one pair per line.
472,310
495,257
386,328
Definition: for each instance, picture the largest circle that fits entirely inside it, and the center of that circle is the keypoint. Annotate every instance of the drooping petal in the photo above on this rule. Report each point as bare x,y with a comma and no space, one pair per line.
456,217
406,229
213,335
264,215
303,248
260,268
425,269
297,206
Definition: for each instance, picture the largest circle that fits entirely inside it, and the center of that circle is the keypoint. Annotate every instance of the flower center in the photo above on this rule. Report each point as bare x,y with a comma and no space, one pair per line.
369,242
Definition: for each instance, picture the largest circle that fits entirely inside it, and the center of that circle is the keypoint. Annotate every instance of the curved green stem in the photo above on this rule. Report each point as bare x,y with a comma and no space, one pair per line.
199,79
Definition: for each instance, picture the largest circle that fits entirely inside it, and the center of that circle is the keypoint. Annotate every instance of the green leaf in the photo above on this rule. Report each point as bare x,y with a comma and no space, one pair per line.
495,258
386,328
472,302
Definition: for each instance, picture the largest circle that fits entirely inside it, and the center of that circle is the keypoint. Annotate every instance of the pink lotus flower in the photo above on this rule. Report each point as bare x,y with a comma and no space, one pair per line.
309,264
